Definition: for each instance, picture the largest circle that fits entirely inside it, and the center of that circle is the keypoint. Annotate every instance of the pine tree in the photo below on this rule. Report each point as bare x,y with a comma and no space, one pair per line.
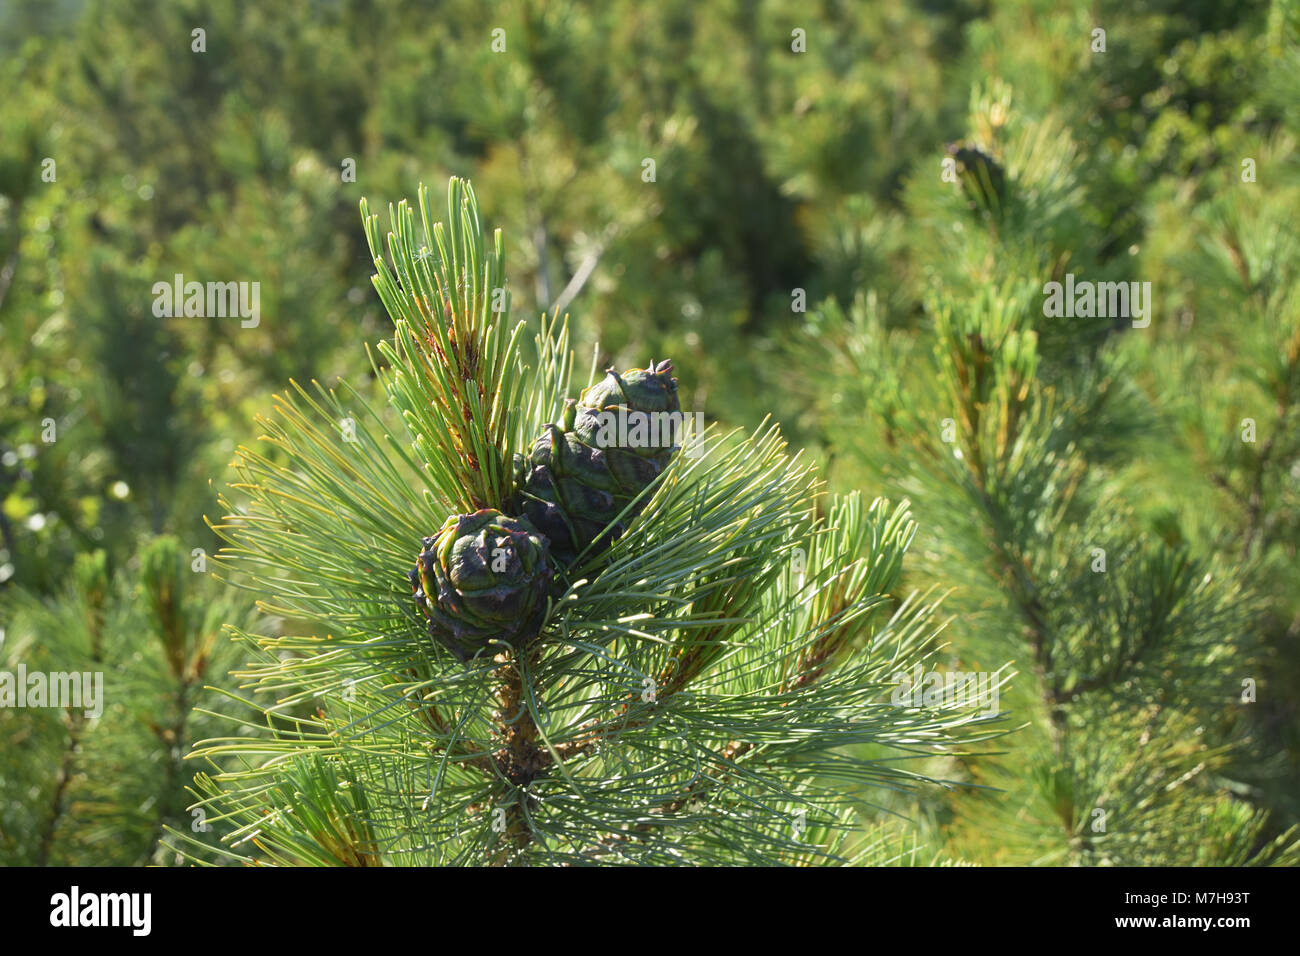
97,781
714,686
1118,532
1030,449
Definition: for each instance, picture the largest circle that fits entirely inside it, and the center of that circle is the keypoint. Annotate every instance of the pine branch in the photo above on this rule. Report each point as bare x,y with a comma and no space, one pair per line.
722,648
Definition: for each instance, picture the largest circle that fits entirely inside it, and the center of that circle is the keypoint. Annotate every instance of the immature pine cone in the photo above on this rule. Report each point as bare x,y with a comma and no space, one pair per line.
482,577
609,446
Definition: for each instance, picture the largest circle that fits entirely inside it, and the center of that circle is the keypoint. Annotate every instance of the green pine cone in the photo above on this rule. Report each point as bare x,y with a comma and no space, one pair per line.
644,390
634,417
483,576
611,444
568,492
982,176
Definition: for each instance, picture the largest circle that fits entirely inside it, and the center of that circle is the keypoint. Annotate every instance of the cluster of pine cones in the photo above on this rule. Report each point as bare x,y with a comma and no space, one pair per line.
487,576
